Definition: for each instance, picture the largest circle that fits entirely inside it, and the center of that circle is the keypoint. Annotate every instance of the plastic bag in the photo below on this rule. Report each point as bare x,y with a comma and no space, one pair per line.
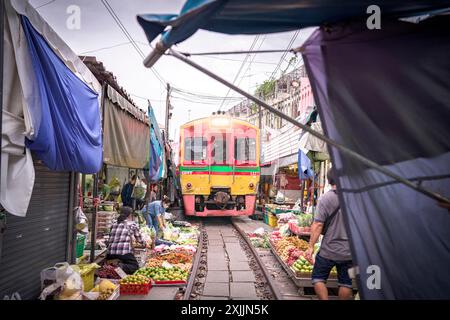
280,197
168,216
259,231
63,278
284,231
81,222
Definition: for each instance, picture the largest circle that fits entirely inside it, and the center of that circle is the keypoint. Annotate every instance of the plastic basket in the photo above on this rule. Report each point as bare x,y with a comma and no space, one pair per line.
273,222
81,241
266,217
135,289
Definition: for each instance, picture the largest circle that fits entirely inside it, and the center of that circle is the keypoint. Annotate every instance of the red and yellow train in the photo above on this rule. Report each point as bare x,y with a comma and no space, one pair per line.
219,166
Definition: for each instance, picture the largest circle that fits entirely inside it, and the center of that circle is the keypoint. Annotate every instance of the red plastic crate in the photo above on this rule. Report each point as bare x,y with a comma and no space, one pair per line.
135,289
170,283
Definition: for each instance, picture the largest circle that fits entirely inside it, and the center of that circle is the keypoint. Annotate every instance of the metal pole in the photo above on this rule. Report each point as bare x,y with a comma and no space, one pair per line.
94,218
322,137
72,232
167,112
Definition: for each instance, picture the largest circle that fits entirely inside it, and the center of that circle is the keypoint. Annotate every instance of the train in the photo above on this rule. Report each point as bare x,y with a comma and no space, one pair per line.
219,166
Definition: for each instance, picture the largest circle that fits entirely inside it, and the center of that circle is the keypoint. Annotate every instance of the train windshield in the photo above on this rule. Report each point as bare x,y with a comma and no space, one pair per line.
195,149
219,152
245,150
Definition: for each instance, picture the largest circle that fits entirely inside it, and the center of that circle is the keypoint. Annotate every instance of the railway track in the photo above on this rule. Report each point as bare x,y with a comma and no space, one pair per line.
227,267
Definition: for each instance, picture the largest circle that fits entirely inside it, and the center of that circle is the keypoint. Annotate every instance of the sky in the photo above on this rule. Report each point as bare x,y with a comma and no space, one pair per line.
100,36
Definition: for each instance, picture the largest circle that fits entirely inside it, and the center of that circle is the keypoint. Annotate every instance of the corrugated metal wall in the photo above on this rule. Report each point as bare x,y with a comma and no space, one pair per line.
39,240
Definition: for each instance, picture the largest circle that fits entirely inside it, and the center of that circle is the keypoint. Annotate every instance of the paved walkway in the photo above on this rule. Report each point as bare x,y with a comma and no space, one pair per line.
229,275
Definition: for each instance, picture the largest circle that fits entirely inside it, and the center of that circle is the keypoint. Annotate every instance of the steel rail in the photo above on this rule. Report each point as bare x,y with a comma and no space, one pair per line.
273,287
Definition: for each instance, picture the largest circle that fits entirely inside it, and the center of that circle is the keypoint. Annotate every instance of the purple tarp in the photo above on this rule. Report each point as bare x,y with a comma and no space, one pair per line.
386,95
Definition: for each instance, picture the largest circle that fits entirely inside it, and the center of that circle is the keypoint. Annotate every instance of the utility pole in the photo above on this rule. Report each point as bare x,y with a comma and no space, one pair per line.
167,113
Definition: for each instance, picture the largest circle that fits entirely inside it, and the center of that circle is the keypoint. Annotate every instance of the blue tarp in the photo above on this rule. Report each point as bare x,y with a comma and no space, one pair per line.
305,170
156,167
267,16
69,136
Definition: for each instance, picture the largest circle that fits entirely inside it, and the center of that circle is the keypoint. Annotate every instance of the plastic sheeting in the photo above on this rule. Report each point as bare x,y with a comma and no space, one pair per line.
69,136
386,95
308,142
266,16
157,154
125,138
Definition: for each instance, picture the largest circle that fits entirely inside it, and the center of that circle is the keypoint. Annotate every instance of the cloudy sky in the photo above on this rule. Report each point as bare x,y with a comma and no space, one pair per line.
100,36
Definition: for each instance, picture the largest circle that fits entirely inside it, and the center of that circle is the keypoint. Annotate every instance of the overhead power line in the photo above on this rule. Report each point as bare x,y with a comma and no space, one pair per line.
240,69
106,48
130,38
45,4
288,49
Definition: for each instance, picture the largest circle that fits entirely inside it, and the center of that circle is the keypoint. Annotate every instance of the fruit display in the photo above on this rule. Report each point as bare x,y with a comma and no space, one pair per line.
184,266
175,258
164,274
275,237
305,220
302,266
107,272
137,284
280,245
293,255
135,279
106,289
154,263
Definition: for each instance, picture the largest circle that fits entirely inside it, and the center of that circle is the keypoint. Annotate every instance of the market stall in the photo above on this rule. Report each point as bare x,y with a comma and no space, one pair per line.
289,241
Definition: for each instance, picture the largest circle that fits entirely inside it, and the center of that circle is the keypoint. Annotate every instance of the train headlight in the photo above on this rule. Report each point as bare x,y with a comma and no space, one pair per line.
189,186
220,122
251,186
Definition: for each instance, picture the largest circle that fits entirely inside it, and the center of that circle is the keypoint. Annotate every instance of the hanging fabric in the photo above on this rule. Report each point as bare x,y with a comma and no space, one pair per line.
69,136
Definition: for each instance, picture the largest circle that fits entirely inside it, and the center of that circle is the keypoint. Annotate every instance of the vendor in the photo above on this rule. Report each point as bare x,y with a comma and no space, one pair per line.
153,213
127,192
121,241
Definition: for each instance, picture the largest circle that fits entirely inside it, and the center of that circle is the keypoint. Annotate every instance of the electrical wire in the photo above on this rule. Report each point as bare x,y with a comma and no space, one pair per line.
45,4
240,69
250,64
130,38
289,47
235,60
106,48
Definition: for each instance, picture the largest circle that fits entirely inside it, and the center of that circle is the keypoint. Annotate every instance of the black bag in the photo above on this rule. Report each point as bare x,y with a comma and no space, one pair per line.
328,221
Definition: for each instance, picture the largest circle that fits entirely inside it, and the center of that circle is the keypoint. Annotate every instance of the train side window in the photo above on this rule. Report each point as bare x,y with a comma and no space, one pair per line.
195,149
245,149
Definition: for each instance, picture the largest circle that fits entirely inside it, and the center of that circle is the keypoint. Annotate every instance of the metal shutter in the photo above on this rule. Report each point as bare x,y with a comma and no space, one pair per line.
39,240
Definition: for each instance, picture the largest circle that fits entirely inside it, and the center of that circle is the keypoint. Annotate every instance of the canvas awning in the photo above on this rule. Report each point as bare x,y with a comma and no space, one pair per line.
125,133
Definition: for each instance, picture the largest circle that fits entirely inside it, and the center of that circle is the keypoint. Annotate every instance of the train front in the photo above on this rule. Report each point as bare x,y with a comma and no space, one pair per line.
219,166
